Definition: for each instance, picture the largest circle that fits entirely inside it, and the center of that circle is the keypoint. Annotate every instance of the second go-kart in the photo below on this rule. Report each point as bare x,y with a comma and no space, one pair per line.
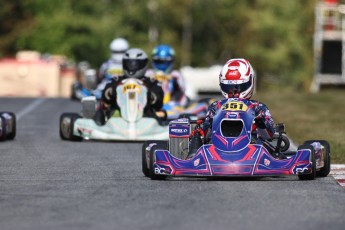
128,124
232,151
8,125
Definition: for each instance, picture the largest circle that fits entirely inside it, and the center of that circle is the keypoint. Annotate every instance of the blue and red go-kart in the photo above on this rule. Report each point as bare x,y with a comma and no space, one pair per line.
232,150
7,126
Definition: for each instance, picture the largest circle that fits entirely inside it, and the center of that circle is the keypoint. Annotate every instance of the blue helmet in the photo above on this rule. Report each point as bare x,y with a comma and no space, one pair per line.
163,58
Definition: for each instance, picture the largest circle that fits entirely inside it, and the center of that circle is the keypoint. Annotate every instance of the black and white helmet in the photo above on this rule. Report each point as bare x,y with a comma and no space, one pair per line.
135,62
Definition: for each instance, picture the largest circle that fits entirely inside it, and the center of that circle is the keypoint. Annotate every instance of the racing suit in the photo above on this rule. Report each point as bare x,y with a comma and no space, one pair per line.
154,97
110,68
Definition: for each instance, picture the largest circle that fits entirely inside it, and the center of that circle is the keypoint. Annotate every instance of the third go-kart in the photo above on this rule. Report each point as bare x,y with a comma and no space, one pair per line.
194,109
232,151
127,124
8,125
175,109
89,87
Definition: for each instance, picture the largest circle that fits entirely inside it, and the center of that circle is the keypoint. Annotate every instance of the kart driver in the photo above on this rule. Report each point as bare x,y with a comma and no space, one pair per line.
173,82
113,66
135,62
236,80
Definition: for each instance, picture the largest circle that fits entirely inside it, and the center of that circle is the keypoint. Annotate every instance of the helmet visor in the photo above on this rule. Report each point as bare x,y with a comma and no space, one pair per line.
235,88
162,63
133,65
118,51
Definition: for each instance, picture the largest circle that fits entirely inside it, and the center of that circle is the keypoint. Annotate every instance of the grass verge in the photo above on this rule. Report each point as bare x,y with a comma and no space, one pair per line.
310,116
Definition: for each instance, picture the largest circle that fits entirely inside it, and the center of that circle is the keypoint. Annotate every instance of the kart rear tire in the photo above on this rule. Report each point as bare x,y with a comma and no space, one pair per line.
12,134
71,136
152,174
14,126
145,168
312,175
323,172
3,127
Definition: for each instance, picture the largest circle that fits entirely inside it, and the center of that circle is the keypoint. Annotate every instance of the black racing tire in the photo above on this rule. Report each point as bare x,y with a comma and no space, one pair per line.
74,137
152,174
3,127
312,175
12,134
323,172
71,137
145,168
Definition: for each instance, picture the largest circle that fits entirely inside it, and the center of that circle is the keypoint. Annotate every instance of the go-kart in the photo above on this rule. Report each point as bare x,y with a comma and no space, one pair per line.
7,126
176,108
129,123
194,109
232,151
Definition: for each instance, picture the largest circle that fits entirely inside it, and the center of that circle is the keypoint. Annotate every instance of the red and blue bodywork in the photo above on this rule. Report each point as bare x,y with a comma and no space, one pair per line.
232,151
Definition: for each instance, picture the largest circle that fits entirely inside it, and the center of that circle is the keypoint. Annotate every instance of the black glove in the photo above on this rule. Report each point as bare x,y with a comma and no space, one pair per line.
260,121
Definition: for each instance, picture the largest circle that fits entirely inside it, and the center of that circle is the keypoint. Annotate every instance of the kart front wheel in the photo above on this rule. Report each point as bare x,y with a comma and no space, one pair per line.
324,171
13,132
152,173
10,117
66,126
145,168
312,175
3,128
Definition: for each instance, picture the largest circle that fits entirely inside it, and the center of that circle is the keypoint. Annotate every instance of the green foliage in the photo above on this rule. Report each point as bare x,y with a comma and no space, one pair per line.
276,36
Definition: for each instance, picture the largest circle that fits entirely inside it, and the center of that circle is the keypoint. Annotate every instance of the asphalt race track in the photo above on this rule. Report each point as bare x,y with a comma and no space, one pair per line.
47,183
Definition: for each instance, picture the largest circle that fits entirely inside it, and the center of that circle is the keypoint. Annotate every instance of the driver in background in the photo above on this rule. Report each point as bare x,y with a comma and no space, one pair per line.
113,66
135,63
236,80
172,80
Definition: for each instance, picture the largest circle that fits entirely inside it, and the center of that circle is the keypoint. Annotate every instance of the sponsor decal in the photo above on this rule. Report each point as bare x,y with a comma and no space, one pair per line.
302,170
232,114
131,87
179,131
84,131
267,162
196,162
115,71
159,170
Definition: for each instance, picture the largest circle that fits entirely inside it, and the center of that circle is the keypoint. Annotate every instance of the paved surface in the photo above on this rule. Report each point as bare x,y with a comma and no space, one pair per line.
46,183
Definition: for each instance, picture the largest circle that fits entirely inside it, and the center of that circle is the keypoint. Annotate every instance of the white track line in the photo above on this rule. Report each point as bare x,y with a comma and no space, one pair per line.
30,107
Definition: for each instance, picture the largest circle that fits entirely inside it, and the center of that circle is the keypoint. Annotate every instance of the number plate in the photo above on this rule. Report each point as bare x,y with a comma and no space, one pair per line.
235,106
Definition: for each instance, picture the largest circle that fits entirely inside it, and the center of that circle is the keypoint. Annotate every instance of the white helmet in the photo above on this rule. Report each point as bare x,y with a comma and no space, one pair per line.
236,79
135,62
117,48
